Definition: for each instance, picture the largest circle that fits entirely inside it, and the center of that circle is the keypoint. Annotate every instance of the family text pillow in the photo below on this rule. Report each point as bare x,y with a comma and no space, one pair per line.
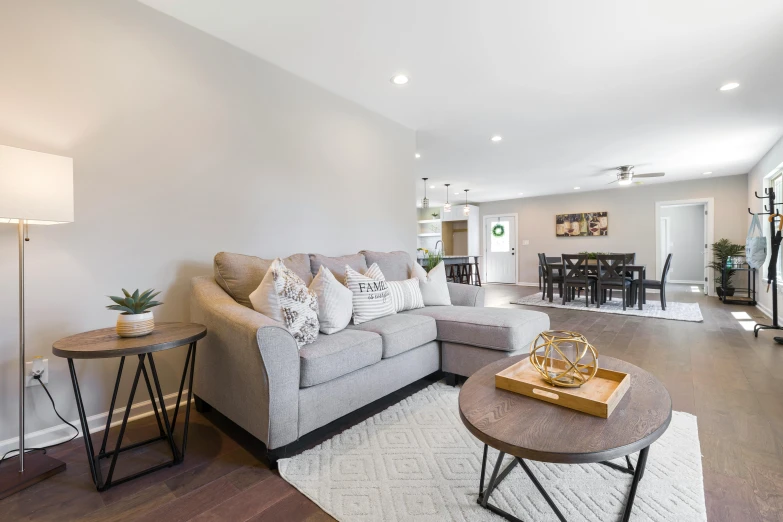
371,295
284,297
335,301
433,285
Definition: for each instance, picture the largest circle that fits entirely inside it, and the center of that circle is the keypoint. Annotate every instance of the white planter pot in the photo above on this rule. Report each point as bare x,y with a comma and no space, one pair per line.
135,325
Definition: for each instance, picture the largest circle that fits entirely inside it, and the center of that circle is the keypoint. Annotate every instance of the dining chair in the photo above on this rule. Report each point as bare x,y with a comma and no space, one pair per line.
611,275
661,285
542,269
543,264
576,276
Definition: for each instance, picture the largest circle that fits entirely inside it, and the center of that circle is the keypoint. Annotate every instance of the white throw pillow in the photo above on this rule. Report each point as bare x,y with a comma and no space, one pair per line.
284,297
406,295
371,296
335,301
434,287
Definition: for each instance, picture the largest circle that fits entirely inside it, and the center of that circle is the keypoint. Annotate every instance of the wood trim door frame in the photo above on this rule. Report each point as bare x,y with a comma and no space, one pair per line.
709,203
485,259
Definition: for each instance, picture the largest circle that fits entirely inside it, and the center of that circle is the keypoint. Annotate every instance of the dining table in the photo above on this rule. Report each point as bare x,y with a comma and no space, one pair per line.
640,270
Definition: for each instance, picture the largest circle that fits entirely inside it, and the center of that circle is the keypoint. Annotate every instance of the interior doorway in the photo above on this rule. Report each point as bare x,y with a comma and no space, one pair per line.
500,248
684,230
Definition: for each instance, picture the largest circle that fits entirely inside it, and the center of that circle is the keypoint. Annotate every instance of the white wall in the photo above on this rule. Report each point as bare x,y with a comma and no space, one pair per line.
631,218
771,162
183,146
686,242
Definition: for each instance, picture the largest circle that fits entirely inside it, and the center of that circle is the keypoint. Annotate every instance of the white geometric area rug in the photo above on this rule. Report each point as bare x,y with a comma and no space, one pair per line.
652,308
416,462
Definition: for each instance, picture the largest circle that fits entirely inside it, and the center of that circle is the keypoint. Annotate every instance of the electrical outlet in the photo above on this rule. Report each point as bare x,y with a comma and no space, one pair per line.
38,364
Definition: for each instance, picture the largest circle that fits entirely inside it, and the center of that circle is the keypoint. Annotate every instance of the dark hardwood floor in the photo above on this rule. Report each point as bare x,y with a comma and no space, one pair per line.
715,370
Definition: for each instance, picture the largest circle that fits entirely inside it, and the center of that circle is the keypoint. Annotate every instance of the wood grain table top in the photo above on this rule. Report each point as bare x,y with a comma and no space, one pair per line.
536,430
104,343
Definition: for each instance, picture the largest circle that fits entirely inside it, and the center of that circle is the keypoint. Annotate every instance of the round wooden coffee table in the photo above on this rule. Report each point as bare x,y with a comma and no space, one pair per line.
527,428
105,343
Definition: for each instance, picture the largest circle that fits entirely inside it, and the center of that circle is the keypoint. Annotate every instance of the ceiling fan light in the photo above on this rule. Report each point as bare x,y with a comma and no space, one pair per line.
624,181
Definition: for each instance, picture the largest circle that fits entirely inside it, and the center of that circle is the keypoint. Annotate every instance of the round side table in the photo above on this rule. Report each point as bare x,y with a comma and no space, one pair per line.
529,429
105,343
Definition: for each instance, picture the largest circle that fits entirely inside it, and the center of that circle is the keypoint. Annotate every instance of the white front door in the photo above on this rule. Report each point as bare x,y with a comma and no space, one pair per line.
501,249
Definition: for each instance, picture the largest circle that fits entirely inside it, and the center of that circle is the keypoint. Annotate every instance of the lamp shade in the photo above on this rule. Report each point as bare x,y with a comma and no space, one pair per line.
35,187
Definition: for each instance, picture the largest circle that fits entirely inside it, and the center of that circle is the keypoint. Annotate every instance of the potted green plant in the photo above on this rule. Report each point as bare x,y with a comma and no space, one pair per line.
135,319
432,260
721,251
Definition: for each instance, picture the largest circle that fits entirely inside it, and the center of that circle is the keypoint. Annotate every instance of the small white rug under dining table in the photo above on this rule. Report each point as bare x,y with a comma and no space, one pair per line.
415,461
652,308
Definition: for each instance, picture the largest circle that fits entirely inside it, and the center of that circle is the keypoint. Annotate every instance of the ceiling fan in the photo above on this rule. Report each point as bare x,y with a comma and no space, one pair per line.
625,175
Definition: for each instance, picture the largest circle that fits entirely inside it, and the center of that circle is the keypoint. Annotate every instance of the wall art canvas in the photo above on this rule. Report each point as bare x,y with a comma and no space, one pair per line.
582,224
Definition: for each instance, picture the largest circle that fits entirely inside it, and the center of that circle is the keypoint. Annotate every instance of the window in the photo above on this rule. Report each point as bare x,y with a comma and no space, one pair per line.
498,237
776,183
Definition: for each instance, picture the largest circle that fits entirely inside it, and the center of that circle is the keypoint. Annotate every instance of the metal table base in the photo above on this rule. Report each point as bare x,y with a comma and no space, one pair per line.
498,476
166,430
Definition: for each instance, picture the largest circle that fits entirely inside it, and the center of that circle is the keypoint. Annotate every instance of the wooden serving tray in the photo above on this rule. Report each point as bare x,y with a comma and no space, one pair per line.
598,397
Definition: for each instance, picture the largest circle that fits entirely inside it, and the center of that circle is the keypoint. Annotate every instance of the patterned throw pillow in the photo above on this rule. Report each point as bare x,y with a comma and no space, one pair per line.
406,295
335,302
371,296
284,297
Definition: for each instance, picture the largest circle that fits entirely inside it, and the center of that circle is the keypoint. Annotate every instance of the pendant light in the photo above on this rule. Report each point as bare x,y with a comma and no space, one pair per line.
447,206
425,203
466,210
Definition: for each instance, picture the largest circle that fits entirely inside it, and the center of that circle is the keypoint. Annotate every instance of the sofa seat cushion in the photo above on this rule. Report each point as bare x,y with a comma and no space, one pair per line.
335,355
505,329
400,332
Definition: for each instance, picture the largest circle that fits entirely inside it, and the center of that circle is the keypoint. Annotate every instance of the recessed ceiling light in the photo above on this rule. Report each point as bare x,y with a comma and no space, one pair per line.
399,79
521,193
418,155
496,138
706,173
577,188
729,86
432,186
456,193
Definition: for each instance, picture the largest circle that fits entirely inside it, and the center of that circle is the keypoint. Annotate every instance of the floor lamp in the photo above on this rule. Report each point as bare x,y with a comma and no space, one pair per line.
35,189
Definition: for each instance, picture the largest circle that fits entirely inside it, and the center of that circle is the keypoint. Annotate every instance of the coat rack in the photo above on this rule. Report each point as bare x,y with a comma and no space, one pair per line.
769,210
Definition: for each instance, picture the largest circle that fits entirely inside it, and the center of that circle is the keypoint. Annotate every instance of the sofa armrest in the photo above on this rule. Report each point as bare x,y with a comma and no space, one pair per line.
466,295
247,366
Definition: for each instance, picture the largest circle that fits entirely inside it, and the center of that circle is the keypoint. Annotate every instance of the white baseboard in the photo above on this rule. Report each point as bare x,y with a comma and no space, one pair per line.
63,432
522,283
764,310
684,282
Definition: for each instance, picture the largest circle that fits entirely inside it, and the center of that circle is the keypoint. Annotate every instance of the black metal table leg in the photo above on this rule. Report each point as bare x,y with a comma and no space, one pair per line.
498,476
166,429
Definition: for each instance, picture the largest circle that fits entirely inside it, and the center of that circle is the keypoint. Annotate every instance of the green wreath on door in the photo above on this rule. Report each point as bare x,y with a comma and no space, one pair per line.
498,230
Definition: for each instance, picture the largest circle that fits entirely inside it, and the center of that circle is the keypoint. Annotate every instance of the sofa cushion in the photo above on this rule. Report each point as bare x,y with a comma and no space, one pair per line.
396,266
239,275
506,329
337,264
400,332
332,356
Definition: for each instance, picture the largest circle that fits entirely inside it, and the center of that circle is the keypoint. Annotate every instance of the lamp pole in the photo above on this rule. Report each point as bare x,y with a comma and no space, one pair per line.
21,229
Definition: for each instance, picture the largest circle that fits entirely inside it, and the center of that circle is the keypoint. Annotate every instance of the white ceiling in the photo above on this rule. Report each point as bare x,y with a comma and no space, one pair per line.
573,86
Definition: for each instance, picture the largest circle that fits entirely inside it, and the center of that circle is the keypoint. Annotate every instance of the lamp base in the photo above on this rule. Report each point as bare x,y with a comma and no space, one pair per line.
38,467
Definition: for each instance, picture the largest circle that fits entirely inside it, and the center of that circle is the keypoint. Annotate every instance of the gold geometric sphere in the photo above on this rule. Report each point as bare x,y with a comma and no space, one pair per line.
561,363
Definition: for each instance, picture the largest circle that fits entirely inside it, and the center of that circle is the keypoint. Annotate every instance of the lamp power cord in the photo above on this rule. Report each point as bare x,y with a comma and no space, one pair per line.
44,448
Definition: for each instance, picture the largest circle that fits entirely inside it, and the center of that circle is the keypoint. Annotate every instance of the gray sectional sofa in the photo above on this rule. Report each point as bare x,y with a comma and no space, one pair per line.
250,369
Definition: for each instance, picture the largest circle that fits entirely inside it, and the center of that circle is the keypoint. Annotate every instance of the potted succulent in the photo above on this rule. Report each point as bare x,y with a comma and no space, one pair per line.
135,318
722,250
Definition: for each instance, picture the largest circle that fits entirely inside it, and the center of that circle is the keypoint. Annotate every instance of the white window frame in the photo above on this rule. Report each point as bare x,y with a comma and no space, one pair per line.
774,180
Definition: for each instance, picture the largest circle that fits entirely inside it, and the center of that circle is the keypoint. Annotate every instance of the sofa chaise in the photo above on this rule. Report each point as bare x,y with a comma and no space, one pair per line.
250,369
